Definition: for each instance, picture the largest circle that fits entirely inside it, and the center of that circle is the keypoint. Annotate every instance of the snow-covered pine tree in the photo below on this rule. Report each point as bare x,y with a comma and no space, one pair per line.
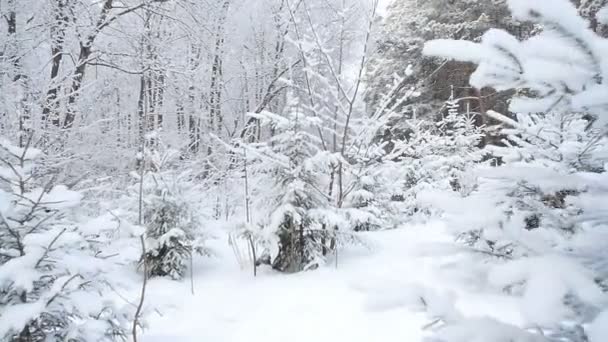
300,223
366,207
549,81
54,279
553,157
529,194
553,81
295,200
170,234
435,156
522,222
398,65
173,230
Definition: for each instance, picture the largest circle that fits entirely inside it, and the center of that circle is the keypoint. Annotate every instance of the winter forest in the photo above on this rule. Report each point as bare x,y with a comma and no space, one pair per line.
304,170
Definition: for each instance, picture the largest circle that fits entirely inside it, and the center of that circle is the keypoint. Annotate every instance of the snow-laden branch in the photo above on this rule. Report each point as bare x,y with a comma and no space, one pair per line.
564,67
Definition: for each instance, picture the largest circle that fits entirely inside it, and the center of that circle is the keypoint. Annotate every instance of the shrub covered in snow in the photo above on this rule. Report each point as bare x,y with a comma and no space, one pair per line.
296,203
302,225
436,156
174,232
54,275
531,211
171,240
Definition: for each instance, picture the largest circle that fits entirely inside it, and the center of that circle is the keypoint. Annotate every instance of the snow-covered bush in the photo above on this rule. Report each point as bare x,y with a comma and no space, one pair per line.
533,210
526,216
301,226
170,235
173,230
55,278
435,156
295,199
366,207
528,197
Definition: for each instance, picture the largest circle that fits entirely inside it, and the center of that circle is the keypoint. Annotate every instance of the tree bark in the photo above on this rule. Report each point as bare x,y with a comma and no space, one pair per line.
50,109
216,119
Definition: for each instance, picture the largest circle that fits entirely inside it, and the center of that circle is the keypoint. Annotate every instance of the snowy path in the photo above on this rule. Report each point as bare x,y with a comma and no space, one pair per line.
371,296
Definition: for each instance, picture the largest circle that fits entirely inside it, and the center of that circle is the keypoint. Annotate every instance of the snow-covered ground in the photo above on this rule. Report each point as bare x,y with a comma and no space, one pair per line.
374,294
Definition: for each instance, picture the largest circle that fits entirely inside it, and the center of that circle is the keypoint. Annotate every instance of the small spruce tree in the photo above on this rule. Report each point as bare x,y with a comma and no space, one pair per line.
173,231
54,279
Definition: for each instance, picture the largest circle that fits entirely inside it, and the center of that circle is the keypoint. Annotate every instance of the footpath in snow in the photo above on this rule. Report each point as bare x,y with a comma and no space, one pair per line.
373,295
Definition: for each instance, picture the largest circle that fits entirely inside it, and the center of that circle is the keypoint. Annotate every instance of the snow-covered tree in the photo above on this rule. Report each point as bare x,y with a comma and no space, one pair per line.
55,278
173,228
295,199
548,81
435,156
398,66
522,221
367,206
553,81
302,225
553,154
530,182
170,234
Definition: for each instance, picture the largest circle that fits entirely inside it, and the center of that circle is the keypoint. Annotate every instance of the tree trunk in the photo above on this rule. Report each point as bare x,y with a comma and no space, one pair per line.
216,84
50,109
85,53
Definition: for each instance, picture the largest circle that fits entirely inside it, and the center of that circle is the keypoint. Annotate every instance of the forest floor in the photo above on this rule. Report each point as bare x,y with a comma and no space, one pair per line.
374,294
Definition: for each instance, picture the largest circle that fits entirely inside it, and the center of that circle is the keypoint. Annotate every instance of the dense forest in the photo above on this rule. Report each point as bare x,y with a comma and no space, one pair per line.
304,170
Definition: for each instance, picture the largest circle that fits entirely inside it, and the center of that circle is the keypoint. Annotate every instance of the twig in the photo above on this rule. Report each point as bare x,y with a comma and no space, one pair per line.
142,295
191,273
142,241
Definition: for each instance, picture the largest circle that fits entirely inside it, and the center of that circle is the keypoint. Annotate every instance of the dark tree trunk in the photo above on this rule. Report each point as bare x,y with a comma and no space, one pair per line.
216,118
50,109
83,58
288,260
83,61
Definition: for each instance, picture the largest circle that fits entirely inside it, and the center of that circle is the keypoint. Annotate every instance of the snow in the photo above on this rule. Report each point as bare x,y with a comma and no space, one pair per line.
26,154
566,54
378,293
414,283
15,317
358,301
485,329
547,285
598,330
455,49
382,6
602,15
562,12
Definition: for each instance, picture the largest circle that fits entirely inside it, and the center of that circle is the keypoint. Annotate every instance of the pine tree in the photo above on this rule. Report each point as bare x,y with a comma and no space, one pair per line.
173,231
535,181
519,221
367,208
300,224
549,82
54,276
170,235
398,66
536,198
436,156
546,79
295,198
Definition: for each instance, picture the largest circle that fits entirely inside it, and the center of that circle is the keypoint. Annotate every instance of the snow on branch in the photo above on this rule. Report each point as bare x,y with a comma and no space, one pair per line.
563,68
